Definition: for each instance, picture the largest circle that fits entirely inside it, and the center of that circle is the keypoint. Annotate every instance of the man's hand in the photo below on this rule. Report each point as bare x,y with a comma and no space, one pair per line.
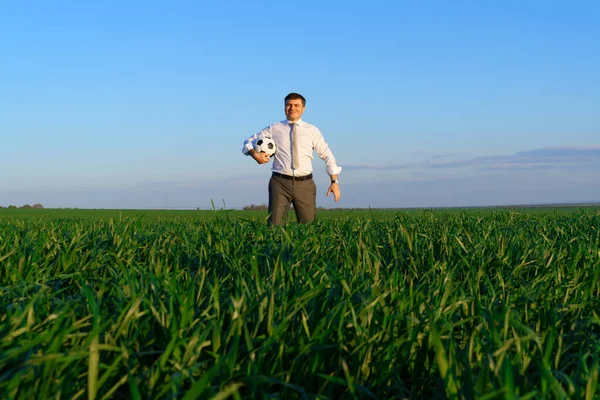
261,158
335,189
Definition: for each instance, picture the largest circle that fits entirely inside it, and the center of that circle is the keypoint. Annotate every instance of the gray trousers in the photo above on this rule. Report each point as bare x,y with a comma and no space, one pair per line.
302,194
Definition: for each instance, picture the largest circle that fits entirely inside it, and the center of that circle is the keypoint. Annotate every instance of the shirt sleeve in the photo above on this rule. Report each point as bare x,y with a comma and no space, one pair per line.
325,153
248,142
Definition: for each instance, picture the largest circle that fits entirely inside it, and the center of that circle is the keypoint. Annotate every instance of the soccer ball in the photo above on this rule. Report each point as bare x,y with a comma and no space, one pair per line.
265,145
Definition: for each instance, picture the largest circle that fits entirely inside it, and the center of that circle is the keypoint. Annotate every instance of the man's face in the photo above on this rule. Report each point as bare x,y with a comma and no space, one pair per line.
294,109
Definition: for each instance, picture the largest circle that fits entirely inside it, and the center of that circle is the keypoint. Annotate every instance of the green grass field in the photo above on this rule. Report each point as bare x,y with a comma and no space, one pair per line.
484,303
327,214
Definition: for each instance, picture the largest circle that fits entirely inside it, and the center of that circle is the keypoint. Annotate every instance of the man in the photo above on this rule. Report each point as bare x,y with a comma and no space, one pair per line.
291,181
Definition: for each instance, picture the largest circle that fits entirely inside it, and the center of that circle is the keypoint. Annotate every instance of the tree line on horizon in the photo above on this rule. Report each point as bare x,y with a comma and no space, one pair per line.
24,206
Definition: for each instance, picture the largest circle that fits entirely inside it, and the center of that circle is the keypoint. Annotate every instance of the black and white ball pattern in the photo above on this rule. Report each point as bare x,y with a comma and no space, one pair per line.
265,145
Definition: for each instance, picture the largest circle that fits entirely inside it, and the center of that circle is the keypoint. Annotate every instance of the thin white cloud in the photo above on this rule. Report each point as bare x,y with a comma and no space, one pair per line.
567,158
377,167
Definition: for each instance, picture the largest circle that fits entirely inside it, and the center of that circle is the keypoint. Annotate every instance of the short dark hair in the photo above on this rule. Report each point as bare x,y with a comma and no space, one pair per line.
295,96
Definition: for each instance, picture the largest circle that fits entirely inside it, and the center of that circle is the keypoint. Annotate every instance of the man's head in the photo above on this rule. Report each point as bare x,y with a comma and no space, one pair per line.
294,106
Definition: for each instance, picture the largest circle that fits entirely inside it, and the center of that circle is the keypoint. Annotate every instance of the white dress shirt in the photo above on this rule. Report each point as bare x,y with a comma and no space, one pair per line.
309,138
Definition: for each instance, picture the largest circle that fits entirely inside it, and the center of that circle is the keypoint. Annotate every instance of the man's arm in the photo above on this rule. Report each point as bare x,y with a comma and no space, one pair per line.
248,149
324,152
261,158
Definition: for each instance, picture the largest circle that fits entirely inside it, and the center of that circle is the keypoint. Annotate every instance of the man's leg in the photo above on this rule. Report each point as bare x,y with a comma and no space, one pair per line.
305,200
280,196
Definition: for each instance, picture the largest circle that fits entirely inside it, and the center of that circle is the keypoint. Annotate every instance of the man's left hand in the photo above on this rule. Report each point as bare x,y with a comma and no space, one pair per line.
335,189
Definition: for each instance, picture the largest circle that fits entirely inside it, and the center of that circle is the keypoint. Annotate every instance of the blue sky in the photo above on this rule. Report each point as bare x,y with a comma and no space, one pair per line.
437,103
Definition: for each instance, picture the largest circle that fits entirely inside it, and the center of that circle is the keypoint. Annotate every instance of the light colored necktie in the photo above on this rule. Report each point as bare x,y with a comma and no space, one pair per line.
295,154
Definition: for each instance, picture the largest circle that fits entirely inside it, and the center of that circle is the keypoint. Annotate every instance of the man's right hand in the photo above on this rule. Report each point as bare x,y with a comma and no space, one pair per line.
261,158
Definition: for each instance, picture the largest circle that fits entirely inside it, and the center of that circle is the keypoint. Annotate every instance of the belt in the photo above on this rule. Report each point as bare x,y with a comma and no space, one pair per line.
293,178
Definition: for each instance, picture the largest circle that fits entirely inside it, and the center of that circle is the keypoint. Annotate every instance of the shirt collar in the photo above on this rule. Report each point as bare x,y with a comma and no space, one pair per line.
299,122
